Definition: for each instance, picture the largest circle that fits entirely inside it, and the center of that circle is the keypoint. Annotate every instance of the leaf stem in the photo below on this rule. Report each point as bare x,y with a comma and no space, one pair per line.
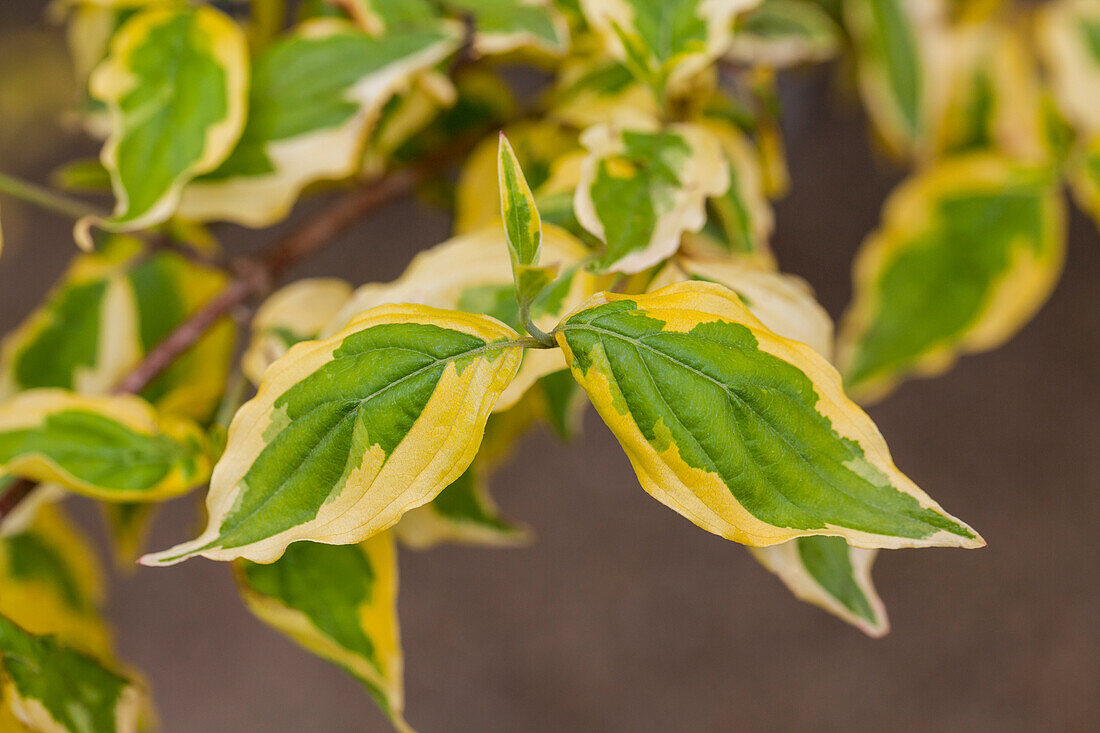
44,198
540,336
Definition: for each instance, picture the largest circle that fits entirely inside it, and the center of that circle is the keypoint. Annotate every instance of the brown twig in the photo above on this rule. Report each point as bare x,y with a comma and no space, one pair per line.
14,494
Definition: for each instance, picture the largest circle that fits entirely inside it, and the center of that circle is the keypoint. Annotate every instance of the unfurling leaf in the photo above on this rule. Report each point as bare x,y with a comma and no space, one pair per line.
313,96
349,433
108,310
967,252
292,314
536,145
53,687
744,432
472,273
110,448
175,83
639,191
339,602
828,573
783,33
522,225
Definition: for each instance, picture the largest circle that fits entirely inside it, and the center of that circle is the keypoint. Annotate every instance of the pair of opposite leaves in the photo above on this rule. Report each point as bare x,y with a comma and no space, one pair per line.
744,432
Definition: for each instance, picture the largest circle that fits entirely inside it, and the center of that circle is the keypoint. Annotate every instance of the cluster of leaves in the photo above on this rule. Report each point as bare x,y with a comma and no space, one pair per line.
613,247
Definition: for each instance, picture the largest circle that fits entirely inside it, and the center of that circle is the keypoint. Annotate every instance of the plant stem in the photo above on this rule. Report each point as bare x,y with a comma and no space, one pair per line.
45,198
14,494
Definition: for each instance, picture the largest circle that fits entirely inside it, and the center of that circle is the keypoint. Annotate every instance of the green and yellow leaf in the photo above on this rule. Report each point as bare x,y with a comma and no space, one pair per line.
339,602
108,310
592,89
744,432
472,273
640,191
903,56
175,83
53,687
1068,38
52,583
783,303
833,576
783,33
347,434
503,26
967,252
464,512
665,43
292,314
313,98
111,448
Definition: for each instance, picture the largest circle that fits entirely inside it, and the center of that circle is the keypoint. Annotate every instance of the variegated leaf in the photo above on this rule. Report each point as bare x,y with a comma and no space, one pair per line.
111,448
472,273
404,117
51,583
665,43
993,98
640,191
1068,38
464,512
828,573
313,97
783,303
502,26
784,33
592,89
742,431
175,84
53,687
967,252
339,602
903,58
347,434
108,310
739,221
536,145
292,314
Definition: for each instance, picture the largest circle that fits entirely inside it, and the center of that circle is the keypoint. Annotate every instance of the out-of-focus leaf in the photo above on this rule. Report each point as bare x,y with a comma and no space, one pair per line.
339,602
967,252
1068,38
52,583
665,43
1084,177
349,433
639,191
111,448
592,89
313,97
53,687
502,26
107,311
292,314
742,431
739,221
784,33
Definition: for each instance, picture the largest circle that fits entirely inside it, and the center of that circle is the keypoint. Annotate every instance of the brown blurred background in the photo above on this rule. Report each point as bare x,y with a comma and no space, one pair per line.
623,617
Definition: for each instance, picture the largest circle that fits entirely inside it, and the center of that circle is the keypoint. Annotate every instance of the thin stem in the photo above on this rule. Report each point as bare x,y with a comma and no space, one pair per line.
543,338
14,494
45,198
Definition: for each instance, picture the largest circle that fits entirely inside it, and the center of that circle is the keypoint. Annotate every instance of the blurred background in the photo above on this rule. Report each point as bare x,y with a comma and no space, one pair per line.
623,616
